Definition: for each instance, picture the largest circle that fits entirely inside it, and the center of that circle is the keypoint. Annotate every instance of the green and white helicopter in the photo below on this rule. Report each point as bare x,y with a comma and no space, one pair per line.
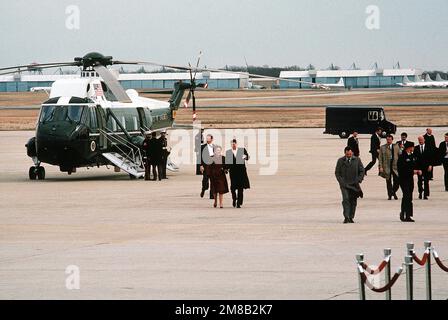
92,121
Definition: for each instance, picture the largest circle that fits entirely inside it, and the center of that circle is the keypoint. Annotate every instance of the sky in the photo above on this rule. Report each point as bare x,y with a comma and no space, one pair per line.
265,32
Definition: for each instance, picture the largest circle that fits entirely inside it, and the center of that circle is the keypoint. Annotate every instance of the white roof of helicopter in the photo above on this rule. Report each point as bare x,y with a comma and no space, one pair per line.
77,87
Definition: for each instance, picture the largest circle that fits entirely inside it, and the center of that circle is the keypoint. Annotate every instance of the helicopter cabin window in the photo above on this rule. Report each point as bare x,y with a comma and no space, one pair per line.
111,124
93,120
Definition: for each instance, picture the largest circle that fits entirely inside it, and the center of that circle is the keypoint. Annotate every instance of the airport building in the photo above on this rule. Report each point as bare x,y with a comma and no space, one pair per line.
369,78
215,80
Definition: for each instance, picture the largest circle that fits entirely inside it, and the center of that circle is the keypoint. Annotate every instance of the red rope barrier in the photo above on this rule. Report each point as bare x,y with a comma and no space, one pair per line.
380,268
386,287
423,260
439,262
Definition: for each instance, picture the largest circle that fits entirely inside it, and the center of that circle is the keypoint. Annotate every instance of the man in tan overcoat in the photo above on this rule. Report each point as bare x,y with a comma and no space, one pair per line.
388,158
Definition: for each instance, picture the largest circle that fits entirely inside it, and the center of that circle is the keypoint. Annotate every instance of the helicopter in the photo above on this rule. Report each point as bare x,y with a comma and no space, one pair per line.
92,121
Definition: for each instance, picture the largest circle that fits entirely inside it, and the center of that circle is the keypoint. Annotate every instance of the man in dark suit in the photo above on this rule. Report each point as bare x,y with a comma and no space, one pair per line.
402,142
236,162
164,154
349,172
407,167
207,153
443,154
147,163
424,155
353,143
375,143
198,142
155,156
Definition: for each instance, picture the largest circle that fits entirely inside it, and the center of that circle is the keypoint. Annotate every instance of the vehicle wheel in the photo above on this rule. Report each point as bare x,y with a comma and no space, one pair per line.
132,177
32,173
384,134
40,173
343,135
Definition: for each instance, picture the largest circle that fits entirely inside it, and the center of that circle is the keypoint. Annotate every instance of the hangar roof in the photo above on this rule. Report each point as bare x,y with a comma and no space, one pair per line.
350,73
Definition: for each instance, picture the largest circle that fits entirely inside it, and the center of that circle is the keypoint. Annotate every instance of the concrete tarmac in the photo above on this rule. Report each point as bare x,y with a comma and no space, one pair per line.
135,239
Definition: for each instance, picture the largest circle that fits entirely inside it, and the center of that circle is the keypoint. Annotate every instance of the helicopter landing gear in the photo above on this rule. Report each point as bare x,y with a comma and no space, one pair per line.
36,172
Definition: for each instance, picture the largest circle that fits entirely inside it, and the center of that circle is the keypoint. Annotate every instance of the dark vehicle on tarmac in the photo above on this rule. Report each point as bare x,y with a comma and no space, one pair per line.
344,120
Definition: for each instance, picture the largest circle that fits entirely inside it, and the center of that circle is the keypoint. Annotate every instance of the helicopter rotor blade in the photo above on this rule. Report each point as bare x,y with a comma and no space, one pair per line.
194,105
187,100
28,68
113,84
197,64
39,65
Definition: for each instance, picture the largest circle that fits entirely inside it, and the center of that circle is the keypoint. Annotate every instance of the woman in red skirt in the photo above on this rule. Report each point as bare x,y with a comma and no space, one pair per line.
217,173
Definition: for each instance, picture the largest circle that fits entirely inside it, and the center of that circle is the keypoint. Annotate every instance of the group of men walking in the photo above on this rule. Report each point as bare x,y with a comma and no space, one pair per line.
397,164
213,166
157,151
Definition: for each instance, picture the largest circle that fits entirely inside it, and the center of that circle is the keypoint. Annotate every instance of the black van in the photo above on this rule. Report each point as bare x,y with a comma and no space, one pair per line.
344,120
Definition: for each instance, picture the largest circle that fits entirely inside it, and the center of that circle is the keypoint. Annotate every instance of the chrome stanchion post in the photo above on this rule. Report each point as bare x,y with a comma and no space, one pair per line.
387,253
409,249
362,288
409,277
428,271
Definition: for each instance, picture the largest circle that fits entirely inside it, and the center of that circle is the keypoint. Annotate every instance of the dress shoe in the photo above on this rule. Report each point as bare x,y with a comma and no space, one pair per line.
420,196
221,207
425,198
351,220
389,198
215,205
234,203
238,206
401,216
346,220
202,193
409,220
395,197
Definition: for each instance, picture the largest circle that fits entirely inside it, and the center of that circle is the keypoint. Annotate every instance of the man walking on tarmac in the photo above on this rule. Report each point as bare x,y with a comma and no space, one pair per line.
407,167
164,154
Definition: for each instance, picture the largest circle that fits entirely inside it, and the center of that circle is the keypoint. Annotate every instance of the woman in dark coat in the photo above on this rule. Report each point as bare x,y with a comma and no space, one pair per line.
217,173
236,162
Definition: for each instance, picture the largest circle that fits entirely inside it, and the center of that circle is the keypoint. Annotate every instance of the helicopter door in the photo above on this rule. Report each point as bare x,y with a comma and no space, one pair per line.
142,119
101,118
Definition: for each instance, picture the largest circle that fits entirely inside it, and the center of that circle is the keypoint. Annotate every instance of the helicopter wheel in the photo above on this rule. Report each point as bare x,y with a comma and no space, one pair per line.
40,173
132,177
32,173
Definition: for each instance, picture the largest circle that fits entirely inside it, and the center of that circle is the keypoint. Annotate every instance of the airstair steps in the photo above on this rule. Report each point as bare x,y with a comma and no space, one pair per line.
125,164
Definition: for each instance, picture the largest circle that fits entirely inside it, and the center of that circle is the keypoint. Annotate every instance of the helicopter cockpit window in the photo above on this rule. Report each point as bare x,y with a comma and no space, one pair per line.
61,113
74,113
46,113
